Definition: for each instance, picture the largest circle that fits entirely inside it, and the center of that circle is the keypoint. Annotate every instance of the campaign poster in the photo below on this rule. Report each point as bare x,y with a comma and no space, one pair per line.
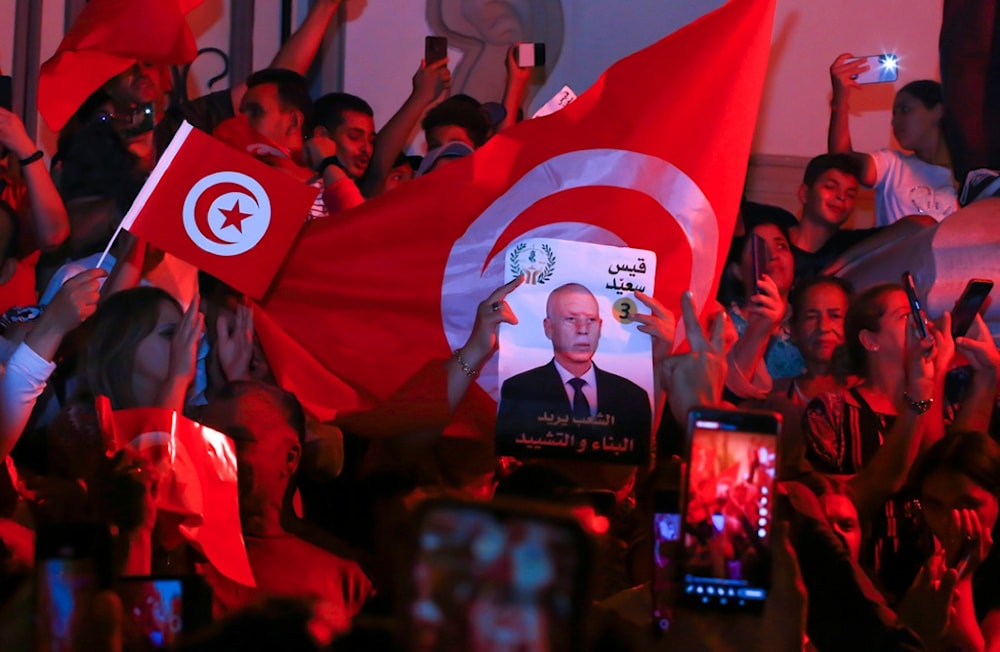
576,374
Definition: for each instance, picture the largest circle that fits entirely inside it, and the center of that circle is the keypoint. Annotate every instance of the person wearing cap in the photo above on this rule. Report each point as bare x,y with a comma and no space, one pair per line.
442,155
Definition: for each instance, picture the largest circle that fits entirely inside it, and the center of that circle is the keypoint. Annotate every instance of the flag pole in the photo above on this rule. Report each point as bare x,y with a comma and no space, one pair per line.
151,181
100,261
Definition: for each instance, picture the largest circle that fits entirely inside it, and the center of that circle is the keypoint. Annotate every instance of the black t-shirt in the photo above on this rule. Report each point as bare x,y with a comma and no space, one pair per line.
808,264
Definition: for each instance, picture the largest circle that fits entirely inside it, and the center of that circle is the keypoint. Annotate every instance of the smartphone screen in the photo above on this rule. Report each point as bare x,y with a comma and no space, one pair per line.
968,305
530,55
916,310
435,49
667,530
153,611
729,505
487,577
881,68
73,563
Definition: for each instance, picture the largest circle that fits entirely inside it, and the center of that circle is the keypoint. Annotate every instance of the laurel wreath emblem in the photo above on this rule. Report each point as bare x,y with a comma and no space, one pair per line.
547,271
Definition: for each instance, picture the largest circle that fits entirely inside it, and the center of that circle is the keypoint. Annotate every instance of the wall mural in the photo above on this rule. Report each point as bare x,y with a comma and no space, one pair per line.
484,29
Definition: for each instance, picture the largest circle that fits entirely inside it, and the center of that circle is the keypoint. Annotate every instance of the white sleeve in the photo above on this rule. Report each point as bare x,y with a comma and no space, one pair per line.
20,387
885,160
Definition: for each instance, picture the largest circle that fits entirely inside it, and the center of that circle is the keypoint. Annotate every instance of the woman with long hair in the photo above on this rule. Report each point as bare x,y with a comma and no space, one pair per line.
959,485
918,182
874,431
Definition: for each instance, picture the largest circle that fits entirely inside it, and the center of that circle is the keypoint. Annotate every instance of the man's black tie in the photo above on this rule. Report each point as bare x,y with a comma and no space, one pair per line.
581,406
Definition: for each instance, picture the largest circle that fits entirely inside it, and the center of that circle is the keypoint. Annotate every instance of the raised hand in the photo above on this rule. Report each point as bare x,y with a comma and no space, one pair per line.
660,324
979,348
184,347
234,342
699,376
432,81
921,362
14,136
490,313
75,301
767,307
843,75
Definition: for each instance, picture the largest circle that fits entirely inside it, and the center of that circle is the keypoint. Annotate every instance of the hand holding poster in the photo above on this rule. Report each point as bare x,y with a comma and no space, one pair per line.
576,374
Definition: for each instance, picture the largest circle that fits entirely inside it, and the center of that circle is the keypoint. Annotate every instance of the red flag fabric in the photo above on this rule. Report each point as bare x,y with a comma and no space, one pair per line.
654,156
220,210
106,38
197,486
238,133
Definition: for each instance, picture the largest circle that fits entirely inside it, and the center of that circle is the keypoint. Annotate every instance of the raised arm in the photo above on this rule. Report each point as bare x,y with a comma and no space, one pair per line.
429,84
300,49
890,467
699,376
842,75
482,343
49,221
977,406
765,311
513,94
32,363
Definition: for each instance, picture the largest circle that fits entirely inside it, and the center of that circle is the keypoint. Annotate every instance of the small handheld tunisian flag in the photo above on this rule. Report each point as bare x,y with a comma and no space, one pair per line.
653,156
106,38
197,490
220,210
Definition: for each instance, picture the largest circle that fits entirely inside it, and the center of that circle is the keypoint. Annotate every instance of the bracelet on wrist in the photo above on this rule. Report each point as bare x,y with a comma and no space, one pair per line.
469,370
28,160
918,406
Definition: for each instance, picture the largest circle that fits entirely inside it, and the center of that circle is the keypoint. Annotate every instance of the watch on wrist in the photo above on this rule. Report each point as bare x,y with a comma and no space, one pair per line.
28,160
327,162
920,406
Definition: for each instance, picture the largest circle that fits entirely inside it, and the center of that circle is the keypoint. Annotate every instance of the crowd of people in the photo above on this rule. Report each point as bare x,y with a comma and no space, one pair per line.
888,454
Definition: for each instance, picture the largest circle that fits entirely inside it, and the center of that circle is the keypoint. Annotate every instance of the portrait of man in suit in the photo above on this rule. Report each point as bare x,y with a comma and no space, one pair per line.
571,397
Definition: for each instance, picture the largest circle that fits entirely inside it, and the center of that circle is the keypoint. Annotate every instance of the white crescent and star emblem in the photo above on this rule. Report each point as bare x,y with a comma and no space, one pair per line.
227,213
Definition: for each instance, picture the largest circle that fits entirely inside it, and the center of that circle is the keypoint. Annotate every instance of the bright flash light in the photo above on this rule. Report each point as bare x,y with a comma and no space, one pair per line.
890,62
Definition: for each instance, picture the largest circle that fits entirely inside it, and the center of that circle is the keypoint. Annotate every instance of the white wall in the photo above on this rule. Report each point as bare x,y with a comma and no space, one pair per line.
808,36
6,35
385,41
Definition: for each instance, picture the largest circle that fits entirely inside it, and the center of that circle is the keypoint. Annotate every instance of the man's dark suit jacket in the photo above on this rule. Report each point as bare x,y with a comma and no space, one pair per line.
530,394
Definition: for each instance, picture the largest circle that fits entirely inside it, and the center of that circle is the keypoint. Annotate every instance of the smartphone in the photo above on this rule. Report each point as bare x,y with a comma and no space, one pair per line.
967,307
881,68
758,254
916,310
729,502
72,564
502,575
965,556
6,92
666,538
157,610
435,49
529,55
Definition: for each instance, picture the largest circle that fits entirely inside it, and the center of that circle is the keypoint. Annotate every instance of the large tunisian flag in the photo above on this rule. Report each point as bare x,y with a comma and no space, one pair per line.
106,38
654,155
